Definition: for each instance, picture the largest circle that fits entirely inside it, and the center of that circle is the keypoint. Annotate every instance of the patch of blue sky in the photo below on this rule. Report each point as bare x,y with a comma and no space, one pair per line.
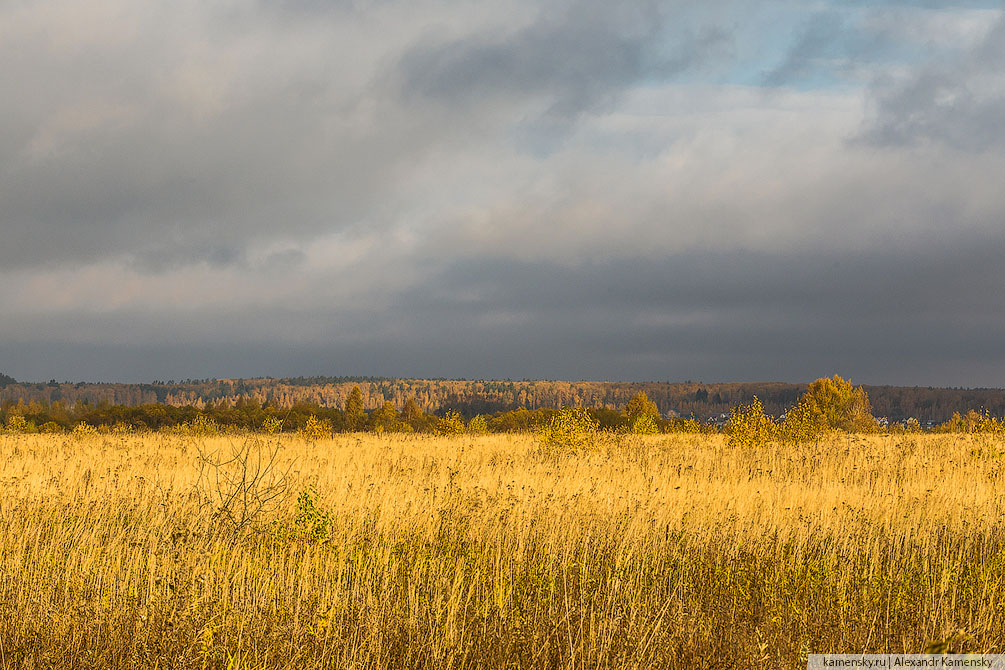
836,46
832,47
919,4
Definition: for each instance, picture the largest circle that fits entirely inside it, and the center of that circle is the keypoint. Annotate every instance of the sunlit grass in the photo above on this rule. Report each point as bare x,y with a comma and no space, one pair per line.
485,551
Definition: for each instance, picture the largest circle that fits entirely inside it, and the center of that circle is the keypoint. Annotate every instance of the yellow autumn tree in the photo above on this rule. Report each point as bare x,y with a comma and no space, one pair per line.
385,419
641,415
749,426
829,404
355,415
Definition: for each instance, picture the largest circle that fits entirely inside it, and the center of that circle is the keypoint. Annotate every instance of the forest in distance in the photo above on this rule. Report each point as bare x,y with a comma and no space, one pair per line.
702,401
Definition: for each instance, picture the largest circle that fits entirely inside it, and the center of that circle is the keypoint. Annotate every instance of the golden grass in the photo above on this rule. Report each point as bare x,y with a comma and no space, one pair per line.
472,552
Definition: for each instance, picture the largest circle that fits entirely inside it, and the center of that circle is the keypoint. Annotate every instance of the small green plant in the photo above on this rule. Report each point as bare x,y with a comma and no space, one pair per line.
573,430
311,522
748,426
947,645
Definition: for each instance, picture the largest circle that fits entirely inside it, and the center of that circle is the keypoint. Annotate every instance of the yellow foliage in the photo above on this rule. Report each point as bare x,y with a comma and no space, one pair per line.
451,424
748,426
316,429
200,426
841,406
572,430
272,425
643,424
50,427
478,425
804,423
385,418
974,423
687,426
84,429
640,405
18,424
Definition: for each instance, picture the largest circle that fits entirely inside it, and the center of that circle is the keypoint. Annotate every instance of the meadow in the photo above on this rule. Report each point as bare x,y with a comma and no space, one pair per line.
157,550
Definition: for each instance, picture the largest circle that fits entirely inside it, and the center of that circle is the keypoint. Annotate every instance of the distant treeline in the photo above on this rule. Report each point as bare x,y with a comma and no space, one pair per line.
484,397
58,417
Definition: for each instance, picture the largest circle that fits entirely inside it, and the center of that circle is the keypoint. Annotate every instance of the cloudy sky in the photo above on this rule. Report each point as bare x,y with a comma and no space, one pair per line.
573,189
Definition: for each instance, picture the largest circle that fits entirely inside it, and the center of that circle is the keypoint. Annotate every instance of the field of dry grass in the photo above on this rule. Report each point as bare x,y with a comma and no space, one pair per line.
481,552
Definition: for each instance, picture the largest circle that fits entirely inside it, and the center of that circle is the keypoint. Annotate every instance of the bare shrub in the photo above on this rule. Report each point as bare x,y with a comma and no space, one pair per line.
242,485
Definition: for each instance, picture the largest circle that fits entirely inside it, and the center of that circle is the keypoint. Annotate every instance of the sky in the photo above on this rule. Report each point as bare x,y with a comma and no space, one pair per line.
709,190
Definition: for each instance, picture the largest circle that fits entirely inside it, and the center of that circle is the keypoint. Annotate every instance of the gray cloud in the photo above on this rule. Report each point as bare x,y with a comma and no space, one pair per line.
573,56
184,131
959,103
895,315
887,315
163,132
576,189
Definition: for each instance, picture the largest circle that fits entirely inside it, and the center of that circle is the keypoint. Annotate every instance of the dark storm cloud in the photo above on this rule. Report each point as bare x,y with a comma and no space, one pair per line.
959,103
893,315
879,315
921,281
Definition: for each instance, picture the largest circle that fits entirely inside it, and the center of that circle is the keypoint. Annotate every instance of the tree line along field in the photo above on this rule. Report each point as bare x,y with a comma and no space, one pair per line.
470,397
835,404
170,550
